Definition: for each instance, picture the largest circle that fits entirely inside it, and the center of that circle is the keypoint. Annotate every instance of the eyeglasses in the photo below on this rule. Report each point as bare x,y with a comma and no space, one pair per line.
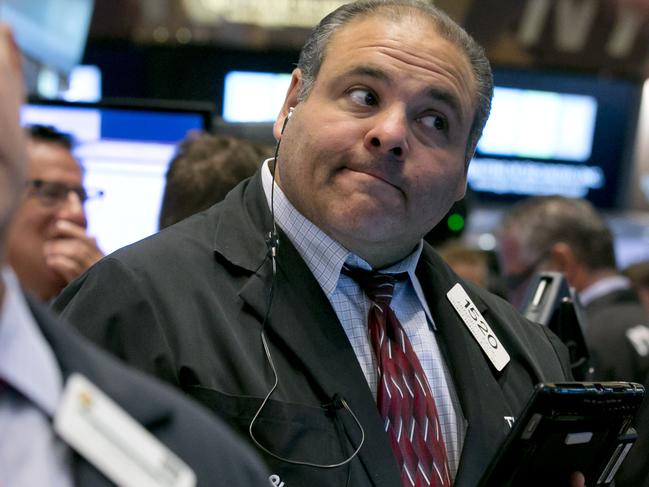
53,193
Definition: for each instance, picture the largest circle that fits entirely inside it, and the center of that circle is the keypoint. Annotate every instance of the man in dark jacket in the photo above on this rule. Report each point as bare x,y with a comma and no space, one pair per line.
260,306
568,235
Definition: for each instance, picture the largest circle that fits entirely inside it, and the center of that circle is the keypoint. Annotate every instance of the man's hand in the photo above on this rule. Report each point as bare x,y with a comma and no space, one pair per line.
70,251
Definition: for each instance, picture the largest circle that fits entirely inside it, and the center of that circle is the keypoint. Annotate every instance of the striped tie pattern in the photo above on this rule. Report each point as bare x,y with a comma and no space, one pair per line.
404,397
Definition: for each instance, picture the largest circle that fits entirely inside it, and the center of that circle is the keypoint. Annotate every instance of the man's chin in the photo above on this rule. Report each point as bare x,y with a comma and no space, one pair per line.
380,237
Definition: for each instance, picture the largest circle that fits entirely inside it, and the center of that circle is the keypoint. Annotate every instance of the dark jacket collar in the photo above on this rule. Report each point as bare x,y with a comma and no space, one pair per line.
241,236
74,354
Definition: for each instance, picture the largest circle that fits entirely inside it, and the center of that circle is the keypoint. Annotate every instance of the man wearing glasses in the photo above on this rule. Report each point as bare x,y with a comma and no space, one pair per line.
48,244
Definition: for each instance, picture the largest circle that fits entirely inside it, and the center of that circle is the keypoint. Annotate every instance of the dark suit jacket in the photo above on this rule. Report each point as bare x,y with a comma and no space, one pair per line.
612,352
616,358
204,443
187,305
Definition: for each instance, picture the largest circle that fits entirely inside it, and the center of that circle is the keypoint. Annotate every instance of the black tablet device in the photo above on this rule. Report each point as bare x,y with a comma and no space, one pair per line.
568,427
553,303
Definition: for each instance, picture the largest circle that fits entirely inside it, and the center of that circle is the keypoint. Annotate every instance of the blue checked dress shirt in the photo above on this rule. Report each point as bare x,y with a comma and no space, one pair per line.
30,452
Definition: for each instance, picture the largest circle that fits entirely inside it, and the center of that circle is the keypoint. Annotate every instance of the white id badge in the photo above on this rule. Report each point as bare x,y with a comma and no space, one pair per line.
478,327
118,446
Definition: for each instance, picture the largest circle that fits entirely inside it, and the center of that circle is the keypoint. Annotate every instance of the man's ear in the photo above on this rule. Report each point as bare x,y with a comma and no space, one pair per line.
563,259
291,100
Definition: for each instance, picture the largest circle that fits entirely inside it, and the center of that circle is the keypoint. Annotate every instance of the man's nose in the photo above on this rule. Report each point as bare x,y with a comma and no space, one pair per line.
72,210
389,133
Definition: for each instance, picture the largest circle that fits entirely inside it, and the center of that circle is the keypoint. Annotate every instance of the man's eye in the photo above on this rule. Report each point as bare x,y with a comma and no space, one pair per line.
436,122
53,191
363,97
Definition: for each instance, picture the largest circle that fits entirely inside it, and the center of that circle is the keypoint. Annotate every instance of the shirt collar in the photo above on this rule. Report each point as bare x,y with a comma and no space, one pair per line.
322,254
27,362
602,287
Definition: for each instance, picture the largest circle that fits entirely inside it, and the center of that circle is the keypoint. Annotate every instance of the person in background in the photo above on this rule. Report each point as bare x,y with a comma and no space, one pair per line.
204,170
568,235
638,273
475,265
48,245
285,307
51,378
469,263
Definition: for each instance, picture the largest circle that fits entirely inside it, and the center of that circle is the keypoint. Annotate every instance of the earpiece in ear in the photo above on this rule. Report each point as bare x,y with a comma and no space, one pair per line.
290,112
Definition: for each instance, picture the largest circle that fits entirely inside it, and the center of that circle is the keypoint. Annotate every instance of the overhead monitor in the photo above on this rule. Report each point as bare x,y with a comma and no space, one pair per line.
554,133
125,150
254,96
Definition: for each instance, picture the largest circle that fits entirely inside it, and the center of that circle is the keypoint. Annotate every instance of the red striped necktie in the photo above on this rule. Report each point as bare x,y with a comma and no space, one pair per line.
404,397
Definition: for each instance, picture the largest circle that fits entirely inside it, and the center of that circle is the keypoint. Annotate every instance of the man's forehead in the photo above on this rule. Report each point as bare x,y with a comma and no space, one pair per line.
44,155
363,28
48,147
426,51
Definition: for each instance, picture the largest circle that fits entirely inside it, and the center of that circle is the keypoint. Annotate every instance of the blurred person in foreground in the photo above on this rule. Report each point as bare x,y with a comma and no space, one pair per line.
285,307
48,245
66,407
205,168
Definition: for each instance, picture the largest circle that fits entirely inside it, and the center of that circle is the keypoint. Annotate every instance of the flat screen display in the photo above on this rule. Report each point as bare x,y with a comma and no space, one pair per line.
556,134
254,96
125,151
538,124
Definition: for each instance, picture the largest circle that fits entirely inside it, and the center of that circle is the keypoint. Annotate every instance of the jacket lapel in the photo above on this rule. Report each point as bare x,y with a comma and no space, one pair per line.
303,325
75,355
481,398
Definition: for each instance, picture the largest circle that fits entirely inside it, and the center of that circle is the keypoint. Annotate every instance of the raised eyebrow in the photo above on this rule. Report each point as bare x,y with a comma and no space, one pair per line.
369,71
447,98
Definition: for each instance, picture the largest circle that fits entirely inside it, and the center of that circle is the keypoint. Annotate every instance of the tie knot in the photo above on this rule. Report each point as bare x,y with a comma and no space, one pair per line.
378,286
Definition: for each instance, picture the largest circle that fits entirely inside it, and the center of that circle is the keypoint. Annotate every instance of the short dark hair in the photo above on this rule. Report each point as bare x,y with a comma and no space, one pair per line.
314,50
50,134
205,168
540,222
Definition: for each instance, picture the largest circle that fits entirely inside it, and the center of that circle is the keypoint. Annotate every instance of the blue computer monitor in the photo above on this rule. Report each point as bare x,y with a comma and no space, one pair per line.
125,149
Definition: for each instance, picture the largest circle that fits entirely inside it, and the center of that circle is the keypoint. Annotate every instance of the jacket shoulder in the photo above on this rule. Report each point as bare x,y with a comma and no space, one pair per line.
183,426
541,348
